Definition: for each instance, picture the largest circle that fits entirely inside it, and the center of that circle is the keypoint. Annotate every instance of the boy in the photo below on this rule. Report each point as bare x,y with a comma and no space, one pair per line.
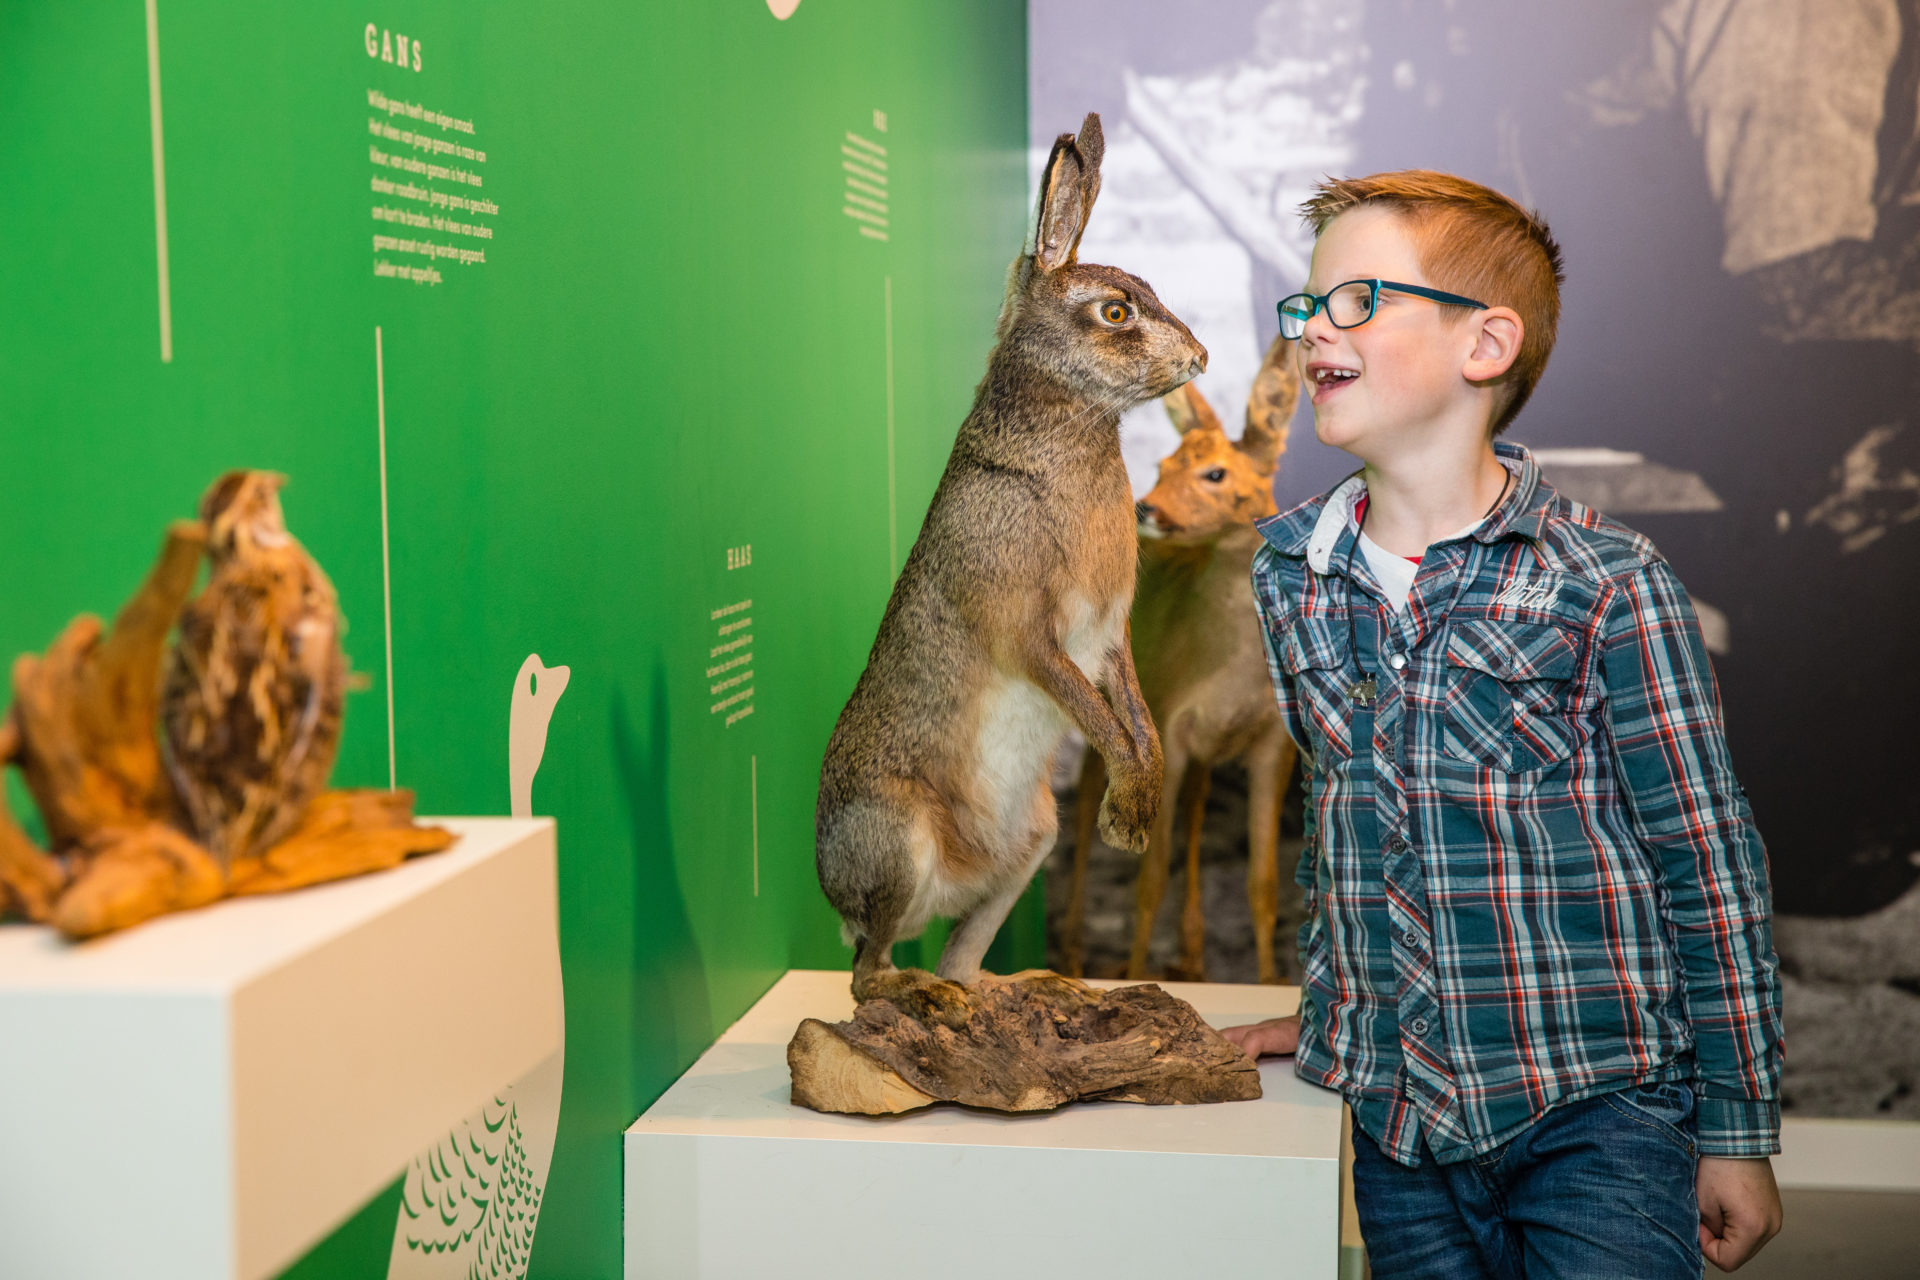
1538,959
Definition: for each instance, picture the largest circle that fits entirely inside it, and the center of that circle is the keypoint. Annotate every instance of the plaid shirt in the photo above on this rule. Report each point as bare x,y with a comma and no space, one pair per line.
1530,874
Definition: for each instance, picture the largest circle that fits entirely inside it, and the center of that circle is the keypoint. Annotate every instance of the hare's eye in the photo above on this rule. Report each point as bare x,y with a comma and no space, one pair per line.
1116,312
1216,475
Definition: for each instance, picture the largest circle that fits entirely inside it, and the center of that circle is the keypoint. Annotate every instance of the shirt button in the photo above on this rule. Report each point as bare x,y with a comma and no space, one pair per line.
1396,845
1397,661
1386,748
1418,1026
1411,938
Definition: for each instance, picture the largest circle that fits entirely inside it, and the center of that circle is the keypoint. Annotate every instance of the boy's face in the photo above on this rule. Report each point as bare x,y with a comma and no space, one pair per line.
1407,357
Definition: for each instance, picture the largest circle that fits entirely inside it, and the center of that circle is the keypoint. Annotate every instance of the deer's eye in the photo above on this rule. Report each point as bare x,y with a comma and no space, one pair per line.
1215,476
1116,312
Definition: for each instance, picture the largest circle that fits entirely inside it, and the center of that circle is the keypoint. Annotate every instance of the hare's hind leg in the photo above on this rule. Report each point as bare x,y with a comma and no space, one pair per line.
967,944
872,962
867,868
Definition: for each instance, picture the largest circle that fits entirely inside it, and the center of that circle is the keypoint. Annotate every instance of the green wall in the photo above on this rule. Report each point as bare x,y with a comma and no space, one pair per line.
677,344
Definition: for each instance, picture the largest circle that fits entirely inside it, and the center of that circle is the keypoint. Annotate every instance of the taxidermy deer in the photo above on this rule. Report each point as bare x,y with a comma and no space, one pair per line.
1008,624
1202,665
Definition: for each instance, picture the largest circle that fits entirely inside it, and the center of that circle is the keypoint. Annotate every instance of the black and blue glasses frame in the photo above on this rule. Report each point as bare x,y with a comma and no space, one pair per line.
1296,309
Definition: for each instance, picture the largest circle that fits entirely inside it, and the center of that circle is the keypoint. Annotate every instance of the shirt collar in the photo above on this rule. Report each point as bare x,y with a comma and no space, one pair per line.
1317,529
1529,498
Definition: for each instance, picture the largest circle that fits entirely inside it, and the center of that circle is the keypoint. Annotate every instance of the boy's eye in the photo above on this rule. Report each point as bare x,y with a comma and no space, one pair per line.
1116,312
1216,475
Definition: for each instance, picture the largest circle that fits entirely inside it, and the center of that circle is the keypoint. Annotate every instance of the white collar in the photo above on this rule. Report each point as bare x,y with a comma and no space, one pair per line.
1338,513
1334,518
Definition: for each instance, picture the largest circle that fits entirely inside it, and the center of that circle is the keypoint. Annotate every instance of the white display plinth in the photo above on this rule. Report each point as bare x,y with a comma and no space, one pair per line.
727,1179
209,1094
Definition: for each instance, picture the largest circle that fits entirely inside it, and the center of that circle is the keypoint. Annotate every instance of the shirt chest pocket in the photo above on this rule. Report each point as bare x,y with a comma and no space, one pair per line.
1509,695
1313,654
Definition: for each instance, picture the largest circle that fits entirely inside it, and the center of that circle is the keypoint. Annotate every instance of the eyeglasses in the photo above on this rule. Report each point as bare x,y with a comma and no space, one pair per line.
1350,305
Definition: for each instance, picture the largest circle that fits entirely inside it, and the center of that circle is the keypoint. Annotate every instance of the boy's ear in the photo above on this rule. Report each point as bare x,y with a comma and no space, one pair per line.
1496,344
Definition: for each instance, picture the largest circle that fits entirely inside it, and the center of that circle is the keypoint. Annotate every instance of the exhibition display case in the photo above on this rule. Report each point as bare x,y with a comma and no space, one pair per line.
726,1178
205,1096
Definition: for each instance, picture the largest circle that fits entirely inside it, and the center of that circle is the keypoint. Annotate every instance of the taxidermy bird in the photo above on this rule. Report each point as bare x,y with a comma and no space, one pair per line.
253,692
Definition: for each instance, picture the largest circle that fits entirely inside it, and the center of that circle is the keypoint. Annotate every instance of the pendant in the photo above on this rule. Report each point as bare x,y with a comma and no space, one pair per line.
1363,690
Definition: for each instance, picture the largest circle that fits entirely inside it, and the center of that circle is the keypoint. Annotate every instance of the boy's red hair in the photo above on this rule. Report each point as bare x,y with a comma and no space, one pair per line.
1472,241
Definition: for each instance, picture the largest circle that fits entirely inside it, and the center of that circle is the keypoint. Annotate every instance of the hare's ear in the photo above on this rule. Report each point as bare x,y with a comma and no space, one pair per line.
1190,410
1276,390
1067,191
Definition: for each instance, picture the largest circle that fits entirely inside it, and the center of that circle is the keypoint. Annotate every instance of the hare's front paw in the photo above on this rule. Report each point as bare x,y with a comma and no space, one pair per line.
1126,815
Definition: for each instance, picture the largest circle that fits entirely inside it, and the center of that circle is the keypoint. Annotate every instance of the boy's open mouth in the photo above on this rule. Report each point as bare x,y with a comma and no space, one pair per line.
1328,378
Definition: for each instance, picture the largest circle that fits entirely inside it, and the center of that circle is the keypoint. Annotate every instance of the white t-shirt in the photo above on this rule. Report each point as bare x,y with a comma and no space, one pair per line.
1395,574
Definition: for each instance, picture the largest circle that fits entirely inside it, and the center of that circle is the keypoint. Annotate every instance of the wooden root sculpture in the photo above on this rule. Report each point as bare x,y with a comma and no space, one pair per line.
252,708
256,686
1030,1042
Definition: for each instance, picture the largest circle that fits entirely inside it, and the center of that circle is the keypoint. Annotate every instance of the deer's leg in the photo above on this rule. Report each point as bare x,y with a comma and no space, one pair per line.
1151,886
1193,919
1093,781
1268,766
1127,743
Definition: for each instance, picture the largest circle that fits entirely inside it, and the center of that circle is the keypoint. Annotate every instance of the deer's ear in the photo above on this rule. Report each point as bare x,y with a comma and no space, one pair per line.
1068,188
1190,410
1276,390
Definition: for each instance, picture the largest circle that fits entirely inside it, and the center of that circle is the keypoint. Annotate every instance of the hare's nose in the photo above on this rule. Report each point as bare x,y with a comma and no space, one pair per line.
1197,365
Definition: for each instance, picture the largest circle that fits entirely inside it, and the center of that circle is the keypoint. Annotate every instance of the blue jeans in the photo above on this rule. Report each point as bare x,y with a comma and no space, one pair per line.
1593,1189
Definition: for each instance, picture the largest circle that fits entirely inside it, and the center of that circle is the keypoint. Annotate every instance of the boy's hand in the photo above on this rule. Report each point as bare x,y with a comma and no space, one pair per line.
1275,1035
1739,1208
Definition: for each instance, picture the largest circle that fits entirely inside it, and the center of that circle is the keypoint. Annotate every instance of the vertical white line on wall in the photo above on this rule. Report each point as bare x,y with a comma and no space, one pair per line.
386,557
893,516
755,762
159,181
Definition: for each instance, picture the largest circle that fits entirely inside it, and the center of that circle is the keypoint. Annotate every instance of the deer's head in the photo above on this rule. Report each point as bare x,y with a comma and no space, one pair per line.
1211,484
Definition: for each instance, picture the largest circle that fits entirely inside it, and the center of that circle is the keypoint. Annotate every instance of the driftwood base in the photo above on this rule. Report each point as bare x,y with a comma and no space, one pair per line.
1030,1042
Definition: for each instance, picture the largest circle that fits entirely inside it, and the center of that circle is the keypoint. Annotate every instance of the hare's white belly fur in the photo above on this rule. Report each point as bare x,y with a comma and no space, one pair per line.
1021,727
1007,807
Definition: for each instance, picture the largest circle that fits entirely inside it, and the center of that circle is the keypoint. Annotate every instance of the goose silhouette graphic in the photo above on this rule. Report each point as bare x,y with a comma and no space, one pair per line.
469,1203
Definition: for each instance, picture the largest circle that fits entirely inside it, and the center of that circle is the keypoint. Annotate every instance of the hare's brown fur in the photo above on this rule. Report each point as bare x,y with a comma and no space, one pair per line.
1008,624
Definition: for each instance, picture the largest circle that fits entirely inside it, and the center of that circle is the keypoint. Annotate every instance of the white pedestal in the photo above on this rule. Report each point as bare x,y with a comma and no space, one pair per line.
208,1094
727,1179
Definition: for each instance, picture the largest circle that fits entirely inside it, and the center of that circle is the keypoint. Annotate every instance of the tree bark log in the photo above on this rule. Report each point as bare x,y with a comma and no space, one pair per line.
1031,1042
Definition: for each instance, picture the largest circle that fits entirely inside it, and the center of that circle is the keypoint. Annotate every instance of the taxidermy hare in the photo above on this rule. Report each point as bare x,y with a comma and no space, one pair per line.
1008,624
1203,665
